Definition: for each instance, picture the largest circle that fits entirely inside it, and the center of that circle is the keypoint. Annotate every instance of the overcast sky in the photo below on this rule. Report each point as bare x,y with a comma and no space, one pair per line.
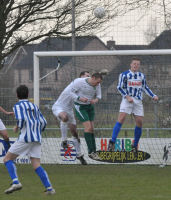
131,28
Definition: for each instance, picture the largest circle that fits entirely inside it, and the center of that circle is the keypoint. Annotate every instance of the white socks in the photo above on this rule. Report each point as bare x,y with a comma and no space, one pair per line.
64,130
77,147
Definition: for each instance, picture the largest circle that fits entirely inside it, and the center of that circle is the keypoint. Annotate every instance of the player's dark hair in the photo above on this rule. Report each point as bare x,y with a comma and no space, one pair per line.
83,73
135,58
22,92
97,75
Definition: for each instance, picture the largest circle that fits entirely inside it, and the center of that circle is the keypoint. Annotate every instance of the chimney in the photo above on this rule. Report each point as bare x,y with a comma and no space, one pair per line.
111,44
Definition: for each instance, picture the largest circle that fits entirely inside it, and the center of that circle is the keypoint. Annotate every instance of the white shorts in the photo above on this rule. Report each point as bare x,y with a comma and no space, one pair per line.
2,126
31,149
136,107
57,110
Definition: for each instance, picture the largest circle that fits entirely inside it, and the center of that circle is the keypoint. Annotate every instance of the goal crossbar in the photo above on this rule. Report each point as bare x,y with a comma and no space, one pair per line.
102,53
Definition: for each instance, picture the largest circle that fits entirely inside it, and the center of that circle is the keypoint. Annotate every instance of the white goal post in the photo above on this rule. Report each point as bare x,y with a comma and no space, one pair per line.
39,54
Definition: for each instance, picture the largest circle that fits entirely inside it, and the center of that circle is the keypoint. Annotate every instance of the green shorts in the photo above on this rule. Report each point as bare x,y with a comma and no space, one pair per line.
84,112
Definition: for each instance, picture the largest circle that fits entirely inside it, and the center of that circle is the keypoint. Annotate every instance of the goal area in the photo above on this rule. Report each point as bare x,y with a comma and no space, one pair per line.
53,71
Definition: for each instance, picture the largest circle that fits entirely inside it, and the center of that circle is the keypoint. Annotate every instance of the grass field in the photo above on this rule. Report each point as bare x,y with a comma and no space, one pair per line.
93,182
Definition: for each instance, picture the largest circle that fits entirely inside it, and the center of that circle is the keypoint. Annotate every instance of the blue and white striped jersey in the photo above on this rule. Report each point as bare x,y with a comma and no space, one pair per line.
133,84
30,121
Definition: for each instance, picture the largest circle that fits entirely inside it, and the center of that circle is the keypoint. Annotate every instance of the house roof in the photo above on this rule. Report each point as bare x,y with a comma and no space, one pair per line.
131,47
54,44
163,41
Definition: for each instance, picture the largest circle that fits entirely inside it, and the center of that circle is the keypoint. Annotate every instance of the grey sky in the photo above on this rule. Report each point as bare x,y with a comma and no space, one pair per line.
131,28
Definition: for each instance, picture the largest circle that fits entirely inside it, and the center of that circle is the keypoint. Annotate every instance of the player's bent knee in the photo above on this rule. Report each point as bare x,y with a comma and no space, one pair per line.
5,137
4,134
121,119
35,162
64,118
89,130
5,159
139,122
139,125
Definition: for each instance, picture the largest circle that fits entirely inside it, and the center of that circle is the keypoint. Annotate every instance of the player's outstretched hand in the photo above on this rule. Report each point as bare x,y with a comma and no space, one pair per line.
155,98
15,129
10,113
130,99
94,101
83,99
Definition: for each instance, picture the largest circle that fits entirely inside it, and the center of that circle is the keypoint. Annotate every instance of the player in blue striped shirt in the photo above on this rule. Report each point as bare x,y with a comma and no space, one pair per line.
31,123
131,86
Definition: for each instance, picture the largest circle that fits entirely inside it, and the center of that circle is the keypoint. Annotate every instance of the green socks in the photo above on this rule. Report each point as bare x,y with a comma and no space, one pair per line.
91,143
94,142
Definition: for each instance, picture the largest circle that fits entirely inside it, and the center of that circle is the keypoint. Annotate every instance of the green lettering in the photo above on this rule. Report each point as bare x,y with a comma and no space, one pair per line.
128,144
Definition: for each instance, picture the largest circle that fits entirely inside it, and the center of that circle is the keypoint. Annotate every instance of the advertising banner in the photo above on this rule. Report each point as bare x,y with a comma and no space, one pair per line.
155,151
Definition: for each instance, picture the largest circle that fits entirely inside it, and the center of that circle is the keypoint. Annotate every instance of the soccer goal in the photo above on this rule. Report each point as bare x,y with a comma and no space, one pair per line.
53,71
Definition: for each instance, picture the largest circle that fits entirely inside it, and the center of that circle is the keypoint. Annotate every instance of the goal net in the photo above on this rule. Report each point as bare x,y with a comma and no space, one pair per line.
53,71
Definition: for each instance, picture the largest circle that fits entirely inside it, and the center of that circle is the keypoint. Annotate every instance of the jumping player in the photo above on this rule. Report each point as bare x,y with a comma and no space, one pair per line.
63,111
131,86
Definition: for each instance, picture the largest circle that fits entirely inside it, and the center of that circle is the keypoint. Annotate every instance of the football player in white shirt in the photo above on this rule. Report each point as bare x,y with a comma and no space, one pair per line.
132,84
63,111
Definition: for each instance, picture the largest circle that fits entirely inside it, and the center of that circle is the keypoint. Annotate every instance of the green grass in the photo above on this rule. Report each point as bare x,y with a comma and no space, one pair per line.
93,182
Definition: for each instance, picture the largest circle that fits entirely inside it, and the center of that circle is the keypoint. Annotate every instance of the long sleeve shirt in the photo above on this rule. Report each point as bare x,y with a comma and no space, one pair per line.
81,88
133,84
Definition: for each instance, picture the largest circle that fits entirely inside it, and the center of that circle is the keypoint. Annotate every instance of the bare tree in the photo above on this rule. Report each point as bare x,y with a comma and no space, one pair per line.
25,21
152,31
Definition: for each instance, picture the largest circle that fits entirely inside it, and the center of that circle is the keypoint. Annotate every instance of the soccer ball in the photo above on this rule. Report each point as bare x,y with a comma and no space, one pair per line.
99,12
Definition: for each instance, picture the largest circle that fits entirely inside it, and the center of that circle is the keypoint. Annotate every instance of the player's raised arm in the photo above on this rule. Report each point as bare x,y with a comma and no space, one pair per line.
6,112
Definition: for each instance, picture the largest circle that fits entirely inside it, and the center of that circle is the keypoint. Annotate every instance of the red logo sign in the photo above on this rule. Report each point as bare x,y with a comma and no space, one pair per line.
135,83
